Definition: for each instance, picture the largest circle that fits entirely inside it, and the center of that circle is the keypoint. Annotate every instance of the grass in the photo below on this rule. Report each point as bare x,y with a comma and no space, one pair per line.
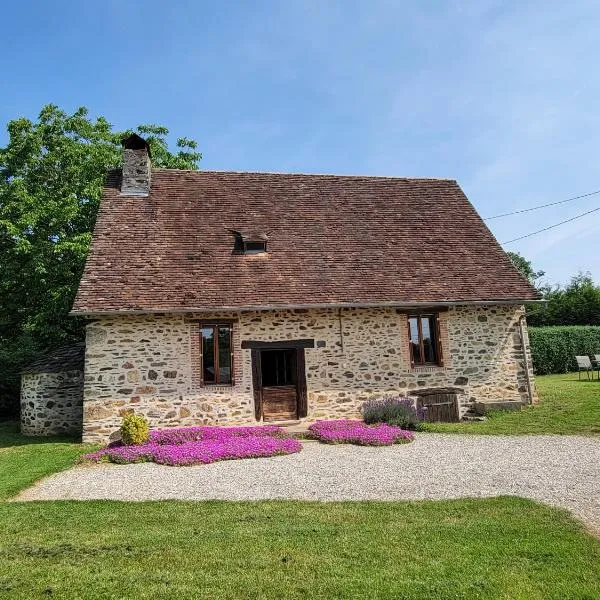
567,406
24,460
498,548
495,548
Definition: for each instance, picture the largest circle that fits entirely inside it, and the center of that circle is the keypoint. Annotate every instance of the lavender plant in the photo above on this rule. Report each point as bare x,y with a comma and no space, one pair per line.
393,410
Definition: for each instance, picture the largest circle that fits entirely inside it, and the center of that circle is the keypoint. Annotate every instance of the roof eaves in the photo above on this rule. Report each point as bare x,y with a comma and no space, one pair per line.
233,308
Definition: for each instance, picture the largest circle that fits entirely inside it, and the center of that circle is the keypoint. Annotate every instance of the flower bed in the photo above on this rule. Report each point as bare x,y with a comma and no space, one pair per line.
200,445
182,435
348,431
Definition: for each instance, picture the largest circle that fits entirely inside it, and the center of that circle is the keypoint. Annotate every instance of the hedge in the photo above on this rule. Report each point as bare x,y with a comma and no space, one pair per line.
553,349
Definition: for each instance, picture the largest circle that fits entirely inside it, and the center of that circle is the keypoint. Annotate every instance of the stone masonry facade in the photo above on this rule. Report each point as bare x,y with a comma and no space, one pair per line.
150,364
52,403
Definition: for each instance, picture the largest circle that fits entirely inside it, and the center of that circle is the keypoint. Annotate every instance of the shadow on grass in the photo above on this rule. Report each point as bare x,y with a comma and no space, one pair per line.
11,436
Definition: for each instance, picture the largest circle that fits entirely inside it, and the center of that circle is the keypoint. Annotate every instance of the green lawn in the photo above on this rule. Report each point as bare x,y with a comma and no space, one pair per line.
23,460
567,406
497,548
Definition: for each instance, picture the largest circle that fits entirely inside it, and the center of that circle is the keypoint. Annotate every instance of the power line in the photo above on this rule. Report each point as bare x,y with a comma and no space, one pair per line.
552,226
518,212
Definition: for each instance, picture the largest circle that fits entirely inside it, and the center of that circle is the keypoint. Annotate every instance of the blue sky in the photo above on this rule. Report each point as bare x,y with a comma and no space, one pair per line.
502,96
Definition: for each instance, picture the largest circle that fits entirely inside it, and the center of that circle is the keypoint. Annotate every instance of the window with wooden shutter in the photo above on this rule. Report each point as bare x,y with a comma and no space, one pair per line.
424,340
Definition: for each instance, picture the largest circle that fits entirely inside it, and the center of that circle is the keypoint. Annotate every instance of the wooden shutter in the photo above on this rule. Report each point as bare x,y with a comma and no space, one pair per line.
301,384
438,340
410,353
201,346
256,384
232,363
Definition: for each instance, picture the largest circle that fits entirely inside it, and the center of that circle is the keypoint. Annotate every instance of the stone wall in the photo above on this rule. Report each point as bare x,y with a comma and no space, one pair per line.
52,403
149,364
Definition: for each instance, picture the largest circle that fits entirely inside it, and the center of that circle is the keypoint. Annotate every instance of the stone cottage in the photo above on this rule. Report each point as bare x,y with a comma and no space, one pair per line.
235,298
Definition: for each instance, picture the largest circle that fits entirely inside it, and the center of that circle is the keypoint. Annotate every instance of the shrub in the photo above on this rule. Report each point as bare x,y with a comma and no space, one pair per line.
349,431
135,430
392,410
553,349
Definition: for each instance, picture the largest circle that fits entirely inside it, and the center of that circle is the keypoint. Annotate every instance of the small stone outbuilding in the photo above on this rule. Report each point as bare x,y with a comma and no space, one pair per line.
52,393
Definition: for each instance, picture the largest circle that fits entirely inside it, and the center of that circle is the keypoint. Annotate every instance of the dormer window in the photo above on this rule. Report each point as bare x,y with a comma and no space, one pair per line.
250,243
254,247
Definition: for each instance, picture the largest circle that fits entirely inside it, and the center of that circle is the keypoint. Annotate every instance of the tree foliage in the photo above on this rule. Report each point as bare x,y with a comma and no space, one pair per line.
525,267
576,304
51,177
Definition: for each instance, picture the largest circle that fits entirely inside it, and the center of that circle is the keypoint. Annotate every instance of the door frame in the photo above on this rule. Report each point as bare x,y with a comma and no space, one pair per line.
256,348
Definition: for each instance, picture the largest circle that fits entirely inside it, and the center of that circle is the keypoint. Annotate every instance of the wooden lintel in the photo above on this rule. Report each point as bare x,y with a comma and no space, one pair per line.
257,344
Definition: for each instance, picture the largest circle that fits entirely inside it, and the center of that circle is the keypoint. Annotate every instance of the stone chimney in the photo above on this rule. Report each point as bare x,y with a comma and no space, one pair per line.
136,166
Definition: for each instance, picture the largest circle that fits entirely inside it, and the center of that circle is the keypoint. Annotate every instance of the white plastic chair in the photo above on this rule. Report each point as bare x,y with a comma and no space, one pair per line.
584,364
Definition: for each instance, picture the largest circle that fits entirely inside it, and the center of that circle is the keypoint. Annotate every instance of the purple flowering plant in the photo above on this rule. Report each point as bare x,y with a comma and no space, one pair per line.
350,431
200,445
393,410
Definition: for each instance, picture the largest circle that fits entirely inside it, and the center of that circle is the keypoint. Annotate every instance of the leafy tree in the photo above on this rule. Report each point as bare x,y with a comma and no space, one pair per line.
51,178
525,267
576,304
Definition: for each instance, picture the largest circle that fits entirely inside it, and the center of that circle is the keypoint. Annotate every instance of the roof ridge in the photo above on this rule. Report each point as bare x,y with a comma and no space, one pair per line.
339,175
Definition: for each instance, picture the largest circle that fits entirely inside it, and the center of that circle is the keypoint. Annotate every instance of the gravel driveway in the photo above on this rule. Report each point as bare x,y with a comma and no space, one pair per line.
563,471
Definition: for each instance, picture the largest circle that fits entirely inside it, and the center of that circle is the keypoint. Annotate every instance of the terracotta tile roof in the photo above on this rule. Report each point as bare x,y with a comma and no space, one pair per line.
331,240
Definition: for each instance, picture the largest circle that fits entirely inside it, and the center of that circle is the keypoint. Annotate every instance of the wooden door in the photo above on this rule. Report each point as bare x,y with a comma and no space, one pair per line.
439,407
279,383
280,403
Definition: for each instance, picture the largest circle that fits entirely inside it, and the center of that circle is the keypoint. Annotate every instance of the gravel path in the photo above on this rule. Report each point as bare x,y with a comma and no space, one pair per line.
563,471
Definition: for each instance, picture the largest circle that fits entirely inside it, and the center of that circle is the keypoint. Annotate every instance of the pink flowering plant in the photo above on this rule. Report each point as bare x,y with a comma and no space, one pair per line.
200,445
350,431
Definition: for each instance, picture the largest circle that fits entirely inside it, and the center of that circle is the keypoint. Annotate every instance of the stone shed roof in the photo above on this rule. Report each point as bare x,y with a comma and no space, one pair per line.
61,360
332,241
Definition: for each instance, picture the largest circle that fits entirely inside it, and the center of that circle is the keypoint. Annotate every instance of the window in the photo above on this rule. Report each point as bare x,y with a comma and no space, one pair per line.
423,334
217,353
255,247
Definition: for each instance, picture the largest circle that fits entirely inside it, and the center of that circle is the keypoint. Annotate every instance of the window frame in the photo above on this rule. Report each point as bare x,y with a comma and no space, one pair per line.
437,342
215,326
